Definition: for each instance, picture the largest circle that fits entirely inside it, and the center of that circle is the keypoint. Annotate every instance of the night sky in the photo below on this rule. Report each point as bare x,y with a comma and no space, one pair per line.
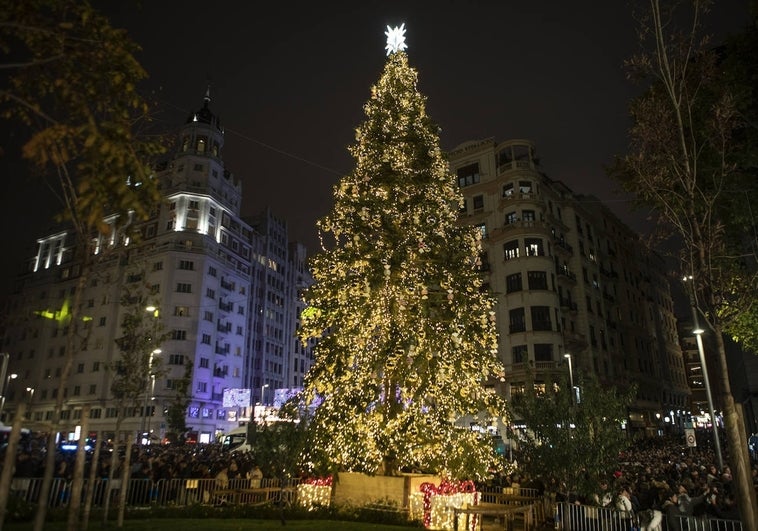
289,81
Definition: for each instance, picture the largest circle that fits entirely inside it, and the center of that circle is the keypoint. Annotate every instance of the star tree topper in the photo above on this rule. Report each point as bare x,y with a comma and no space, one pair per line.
395,39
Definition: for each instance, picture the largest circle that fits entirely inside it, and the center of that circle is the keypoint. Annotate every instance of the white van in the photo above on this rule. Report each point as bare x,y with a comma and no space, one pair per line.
235,440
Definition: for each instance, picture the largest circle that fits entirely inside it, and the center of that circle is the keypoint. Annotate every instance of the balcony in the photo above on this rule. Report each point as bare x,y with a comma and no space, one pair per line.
568,305
222,351
566,274
561,245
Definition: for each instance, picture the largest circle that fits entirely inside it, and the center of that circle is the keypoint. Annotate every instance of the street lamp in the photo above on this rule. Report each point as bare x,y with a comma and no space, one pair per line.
263,388
30,390
571,376
698,331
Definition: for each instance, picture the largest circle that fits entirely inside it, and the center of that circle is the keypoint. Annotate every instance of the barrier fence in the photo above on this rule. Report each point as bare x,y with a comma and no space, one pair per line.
572,517
164,492
180,492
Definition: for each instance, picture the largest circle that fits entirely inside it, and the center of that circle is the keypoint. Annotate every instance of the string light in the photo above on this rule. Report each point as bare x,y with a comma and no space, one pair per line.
406,342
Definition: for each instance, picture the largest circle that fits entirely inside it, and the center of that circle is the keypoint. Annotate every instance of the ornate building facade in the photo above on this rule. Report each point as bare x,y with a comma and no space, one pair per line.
576,290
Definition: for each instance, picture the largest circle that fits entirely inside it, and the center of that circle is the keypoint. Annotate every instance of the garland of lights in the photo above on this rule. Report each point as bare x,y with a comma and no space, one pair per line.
316,492
447,488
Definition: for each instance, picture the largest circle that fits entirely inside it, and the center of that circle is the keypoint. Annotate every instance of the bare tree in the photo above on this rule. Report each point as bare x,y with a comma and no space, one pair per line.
685,160
72,83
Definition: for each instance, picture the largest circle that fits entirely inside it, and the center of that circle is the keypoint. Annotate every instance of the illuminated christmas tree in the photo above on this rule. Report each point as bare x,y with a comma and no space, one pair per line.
406,336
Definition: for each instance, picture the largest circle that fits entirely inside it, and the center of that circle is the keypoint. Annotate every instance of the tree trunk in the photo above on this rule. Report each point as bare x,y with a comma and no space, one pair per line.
111,472
91,482
47,478
125,479
9,464
77,481
739,460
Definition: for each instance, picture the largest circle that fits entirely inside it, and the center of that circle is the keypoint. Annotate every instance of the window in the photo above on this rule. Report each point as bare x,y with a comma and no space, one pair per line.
517,320
513,283
212,271
528,215
176,359
520,353
510,218
543,352
208,316
478,202
194,204
179,335
80,368
202,143
183,287
210,293
525,187
537,279
157,266
101,322
468,175
95,366
187,265
92,389
204,363
511,250
206,340
534,247
77,390
541,318
508,190
202,387
181,311
482,227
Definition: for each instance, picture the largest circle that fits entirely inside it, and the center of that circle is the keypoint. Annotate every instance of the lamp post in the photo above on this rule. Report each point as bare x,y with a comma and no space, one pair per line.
571,376
30,390
148,395
5,390
698,331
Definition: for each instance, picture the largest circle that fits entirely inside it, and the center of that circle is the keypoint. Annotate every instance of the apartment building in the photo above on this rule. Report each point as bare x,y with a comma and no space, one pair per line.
219,286
575,288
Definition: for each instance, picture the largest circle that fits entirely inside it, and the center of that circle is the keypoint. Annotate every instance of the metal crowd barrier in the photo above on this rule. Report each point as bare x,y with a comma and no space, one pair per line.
572,517
163,493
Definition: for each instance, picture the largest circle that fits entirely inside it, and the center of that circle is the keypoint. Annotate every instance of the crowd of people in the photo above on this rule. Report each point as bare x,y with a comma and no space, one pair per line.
659,477
155,462
654,474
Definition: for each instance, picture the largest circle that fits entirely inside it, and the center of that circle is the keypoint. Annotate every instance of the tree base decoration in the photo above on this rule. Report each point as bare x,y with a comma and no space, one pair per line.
313,493
434,504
